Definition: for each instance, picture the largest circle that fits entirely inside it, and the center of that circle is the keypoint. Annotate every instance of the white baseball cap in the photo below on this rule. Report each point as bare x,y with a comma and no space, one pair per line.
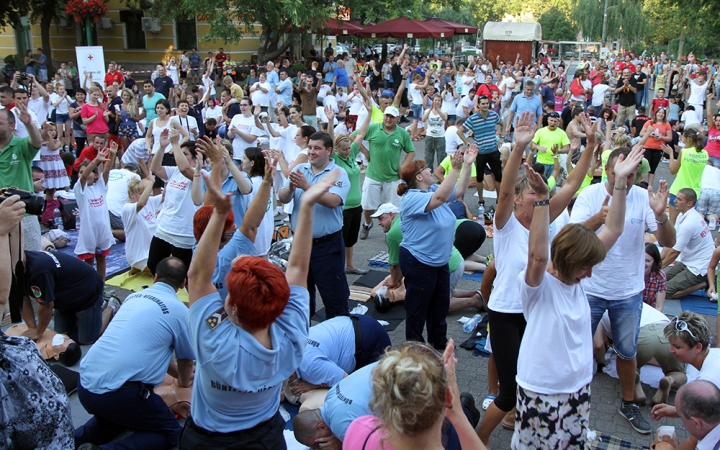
386,208
392,111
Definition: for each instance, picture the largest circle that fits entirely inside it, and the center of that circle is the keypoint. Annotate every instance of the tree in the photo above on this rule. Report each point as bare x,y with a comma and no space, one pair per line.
45,11
556,26
11,11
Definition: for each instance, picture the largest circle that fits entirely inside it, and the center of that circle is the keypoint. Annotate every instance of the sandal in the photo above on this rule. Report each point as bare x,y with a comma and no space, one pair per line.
487,401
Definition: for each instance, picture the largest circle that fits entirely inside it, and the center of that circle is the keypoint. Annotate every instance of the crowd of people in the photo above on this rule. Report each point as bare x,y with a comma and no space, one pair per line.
194,168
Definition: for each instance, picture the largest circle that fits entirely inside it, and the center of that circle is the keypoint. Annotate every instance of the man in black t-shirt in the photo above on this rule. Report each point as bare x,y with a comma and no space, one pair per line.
163,83
625,90
637,124
398,79
70,288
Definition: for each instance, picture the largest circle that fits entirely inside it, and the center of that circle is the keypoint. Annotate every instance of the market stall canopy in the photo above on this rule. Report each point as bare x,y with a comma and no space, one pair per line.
457,27
406,29
512,31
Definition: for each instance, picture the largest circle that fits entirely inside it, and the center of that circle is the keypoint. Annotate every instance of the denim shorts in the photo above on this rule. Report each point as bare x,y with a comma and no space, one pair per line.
624,321
417,111
62,118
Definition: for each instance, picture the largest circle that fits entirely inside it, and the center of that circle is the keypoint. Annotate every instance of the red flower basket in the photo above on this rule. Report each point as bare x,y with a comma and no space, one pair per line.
89,8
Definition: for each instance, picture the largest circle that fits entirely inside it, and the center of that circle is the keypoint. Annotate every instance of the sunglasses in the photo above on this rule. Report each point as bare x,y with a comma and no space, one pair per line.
483,97
681,325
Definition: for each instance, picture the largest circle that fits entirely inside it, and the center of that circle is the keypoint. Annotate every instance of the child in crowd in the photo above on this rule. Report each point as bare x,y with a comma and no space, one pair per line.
139,215
95,237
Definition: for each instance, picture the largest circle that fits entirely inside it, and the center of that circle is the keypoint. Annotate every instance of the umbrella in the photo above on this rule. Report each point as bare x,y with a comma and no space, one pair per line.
457,27
406,29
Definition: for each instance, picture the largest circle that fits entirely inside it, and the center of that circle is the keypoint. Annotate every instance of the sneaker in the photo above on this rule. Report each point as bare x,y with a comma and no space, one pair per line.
365,231
633,415
468,401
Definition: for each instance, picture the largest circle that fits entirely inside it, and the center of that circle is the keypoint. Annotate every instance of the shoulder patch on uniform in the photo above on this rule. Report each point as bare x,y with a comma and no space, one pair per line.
216,318
37,293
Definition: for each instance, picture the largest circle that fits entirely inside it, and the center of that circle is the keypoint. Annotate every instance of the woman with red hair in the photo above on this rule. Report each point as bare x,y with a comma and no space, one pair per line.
249,342
428,225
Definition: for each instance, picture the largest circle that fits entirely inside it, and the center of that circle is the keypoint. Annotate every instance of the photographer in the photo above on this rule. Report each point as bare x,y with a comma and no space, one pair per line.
16,162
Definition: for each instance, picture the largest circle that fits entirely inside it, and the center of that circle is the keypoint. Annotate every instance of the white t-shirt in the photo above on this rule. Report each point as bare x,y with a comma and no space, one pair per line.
452,140
558,224
332,101
341,99
697,93
187,122
510,246
694,242
139,229
467,102
622,273
259,97
95,233
690,118
710,370
649,316
356,104
449,103
178,209
62,107
21,130
263,238
416,94
435,125
208,83
246,125
466,88
42,108
710,178
558,331
509,83
323,90
599,91
117,192
214,113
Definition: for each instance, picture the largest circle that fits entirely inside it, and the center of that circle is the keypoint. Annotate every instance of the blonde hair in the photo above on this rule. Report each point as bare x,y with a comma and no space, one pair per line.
132,106
409,386
339,138
136,186
697,325
621,139
575,247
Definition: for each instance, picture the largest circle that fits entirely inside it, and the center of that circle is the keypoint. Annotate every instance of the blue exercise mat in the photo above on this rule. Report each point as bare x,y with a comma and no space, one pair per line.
115,261
699,302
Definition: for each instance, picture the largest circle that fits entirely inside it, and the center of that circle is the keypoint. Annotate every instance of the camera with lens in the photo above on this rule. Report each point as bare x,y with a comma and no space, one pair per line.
33,204
448,87
23,75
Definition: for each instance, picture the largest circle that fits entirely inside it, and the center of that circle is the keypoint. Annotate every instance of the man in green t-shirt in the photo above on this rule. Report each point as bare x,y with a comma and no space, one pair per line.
387,141
544,140
16,164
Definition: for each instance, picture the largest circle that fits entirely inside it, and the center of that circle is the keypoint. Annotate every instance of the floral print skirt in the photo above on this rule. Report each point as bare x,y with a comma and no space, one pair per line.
557,421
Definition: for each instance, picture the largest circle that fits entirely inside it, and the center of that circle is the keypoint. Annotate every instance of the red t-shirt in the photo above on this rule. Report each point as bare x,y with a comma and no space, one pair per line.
659,102
484,89
596,77
619,66
221,58
110,78
89,153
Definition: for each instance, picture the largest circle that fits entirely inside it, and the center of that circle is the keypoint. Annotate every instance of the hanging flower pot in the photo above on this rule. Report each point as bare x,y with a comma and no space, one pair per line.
77,18
97,19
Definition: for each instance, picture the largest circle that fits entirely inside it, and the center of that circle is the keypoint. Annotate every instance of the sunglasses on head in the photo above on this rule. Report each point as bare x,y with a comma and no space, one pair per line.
681,325
482,97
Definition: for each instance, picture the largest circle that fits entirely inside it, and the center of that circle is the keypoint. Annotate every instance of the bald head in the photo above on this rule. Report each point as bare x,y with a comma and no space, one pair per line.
309,426
698,404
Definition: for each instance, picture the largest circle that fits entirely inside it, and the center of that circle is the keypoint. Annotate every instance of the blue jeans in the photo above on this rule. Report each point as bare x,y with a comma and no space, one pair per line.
154,425
639,96
327,272
427,299
549,169
624,321
81,326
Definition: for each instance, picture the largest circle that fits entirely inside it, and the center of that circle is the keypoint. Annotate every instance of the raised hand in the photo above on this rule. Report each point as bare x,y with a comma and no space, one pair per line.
330,114
173,136
208,148
270,164
113,148
536,181
457,160
524,128
102,156
315,191
23,114
164,139
470,154
658,200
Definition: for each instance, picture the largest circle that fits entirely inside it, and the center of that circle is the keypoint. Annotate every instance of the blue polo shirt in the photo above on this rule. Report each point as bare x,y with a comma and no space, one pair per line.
483,129
139,341
273,78
348,400
521,104
237,379
240,204
238,245
330,74
330,352
427,235
325,220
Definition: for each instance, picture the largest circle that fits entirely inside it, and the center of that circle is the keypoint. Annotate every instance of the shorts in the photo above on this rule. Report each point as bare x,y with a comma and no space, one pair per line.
551,420
116,222
493,160
351,225
709,202
417,111
456,275
624,321
679,278
652,343
87,323
375,193
183,74
128,131
86,256
62,118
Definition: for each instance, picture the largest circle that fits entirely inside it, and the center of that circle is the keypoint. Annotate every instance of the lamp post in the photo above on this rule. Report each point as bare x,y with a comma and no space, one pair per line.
604,30
88,29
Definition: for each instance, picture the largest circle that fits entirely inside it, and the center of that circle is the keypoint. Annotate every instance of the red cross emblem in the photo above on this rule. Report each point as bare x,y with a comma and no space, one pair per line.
90,57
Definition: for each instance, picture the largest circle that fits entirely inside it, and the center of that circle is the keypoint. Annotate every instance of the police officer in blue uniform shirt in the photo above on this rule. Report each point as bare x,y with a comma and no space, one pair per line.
119,372
249,342
327,261
337,347
68,287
